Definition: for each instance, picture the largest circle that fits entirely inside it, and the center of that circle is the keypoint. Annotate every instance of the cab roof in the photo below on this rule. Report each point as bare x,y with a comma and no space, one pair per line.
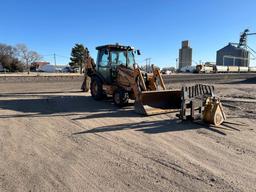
115,46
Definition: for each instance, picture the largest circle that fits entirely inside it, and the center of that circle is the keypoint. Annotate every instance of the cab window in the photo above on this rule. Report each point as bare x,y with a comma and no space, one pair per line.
118,57
114,58
122,58
130,59
103,58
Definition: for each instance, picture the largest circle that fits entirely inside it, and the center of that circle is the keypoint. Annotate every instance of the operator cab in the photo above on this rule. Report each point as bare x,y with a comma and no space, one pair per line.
111,56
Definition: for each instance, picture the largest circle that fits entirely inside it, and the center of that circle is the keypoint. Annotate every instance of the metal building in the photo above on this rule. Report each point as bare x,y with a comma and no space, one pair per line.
233,56
185,55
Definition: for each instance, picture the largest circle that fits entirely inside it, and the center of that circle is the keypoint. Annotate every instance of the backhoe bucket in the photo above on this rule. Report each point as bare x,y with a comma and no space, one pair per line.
158,102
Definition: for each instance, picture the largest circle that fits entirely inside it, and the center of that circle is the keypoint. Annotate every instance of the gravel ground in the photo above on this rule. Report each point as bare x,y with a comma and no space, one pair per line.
55,138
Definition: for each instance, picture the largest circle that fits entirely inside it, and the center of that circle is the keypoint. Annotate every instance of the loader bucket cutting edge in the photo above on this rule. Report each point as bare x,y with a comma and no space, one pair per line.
158,102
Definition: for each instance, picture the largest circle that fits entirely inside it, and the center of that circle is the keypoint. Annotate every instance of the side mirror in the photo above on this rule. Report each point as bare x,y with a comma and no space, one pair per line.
138,52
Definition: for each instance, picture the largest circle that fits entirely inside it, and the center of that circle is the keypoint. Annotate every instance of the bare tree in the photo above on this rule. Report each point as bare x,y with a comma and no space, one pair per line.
7,50
8,59
26,56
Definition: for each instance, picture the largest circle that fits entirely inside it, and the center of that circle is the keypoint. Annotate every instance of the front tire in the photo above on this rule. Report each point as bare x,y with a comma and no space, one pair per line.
120,98
96,89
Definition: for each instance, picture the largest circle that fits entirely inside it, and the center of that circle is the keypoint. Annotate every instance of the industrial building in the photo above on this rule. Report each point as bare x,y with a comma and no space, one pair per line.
231,55
185,55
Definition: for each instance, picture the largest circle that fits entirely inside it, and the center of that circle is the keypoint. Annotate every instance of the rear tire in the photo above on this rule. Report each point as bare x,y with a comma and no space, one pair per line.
121,98
96,89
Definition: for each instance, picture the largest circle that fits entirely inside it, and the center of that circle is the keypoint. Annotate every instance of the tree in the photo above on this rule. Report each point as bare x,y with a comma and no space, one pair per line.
16,65
7,50
79,55
13,58
27,56
11,64
8,58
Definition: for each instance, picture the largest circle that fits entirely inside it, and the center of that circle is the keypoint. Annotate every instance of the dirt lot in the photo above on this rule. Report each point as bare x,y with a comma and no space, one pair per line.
55,138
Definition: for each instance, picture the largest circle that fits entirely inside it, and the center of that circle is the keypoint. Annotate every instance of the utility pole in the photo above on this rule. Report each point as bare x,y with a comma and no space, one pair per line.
146,65
54,57
148,62
177,64
28,70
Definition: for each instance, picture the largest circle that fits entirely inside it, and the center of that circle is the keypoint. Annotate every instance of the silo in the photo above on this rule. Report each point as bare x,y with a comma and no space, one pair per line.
233,56
185,55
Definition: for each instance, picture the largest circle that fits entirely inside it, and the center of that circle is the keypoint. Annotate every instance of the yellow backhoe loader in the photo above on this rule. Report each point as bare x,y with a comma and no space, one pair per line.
117,75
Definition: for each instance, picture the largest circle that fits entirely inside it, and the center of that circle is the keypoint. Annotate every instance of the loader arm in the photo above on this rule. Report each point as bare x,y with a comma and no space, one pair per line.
157,74
149,100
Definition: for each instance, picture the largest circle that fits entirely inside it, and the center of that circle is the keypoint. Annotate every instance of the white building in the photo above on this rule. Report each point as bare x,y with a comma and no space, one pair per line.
47,68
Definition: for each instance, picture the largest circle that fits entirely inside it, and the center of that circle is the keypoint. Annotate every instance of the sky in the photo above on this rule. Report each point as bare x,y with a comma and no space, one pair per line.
156,27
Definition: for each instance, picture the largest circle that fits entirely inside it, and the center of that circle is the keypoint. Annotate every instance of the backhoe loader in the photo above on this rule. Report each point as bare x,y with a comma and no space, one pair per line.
117,75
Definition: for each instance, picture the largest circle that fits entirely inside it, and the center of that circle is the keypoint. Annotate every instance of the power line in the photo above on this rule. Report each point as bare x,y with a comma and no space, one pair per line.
47,55
54,57
62,56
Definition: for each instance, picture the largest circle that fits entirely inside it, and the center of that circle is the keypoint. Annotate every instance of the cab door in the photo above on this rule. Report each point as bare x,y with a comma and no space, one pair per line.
103,64
114,65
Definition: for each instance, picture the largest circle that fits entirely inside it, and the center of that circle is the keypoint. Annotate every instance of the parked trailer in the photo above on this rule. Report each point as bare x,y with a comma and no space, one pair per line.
233,69
252,69
204,69
224,69
208,69
221,69
243,69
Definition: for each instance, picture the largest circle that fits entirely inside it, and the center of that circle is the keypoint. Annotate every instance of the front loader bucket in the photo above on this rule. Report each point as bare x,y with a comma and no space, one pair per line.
158,102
